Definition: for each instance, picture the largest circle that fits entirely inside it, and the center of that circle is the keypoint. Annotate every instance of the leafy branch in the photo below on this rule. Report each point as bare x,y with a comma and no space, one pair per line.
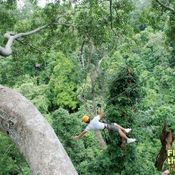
11,37
166,7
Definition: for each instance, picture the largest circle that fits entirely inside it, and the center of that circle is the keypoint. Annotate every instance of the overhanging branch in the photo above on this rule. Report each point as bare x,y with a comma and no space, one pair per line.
166,7
11,37
33,135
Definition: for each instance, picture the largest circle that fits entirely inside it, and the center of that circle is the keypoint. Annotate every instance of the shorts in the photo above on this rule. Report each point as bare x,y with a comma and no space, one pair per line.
111,127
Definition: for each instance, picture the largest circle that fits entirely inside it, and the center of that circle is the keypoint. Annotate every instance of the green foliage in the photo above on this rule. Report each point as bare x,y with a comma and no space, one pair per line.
62,82
131,50
12,162
123,90
36,93
68,125
123,93
92,22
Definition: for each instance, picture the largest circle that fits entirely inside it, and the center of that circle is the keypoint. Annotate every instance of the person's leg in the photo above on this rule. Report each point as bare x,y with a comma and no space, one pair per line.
125,130
122,134
119,127
124,137
113,127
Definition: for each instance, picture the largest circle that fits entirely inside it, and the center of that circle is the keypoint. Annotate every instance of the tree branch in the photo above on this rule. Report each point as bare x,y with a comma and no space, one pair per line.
25,43
30,32
110,9
100,62
84,101
166,7
33,135
11,37
7,50
81,54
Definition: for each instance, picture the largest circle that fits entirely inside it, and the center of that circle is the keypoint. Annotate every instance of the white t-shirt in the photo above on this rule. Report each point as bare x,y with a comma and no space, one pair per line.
95,124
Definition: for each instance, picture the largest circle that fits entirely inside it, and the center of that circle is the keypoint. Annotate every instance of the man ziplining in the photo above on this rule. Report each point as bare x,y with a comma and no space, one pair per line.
96,125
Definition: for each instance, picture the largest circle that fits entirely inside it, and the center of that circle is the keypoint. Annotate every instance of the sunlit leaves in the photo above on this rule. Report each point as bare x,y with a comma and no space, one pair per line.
62,82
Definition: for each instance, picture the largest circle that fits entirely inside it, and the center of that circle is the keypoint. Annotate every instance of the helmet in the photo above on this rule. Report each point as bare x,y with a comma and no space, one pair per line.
85,119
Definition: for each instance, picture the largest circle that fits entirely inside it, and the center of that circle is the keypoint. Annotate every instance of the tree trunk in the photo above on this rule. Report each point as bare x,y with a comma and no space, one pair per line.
34,137
161,157
166,139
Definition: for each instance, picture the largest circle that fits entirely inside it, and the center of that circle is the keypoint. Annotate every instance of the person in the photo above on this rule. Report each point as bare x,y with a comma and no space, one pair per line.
95,125
166,172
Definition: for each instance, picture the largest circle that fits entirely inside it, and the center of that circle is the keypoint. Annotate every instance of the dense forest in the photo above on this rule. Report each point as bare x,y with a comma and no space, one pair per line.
117,56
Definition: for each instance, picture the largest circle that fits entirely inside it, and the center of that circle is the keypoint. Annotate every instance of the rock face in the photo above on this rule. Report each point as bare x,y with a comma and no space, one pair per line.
33,135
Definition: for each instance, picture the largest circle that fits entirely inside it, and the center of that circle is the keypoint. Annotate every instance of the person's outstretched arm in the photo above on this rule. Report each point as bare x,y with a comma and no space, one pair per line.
80,135
101,115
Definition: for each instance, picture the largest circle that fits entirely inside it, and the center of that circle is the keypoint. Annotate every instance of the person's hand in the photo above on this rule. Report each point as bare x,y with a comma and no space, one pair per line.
166,172
106,130
75,137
